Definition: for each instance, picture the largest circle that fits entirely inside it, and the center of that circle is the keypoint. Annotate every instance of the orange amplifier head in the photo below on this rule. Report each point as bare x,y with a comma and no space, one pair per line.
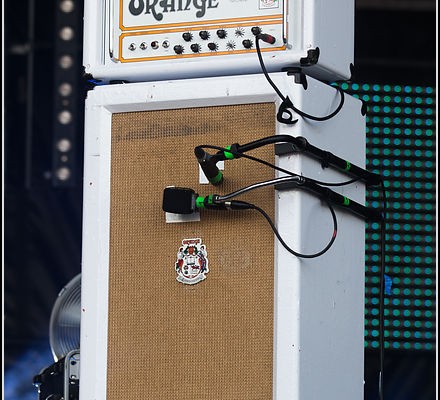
145,40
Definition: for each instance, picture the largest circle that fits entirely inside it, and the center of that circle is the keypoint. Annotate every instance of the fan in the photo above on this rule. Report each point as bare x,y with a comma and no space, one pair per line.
64,328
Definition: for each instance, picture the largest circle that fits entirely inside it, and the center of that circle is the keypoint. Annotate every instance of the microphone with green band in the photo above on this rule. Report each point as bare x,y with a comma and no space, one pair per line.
208,163
178,200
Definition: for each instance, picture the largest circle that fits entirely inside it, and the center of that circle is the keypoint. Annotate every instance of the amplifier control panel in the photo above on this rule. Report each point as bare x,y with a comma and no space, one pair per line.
210,40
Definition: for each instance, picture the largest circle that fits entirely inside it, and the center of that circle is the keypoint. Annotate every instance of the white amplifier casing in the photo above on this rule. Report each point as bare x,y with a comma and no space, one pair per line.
147,40
318,311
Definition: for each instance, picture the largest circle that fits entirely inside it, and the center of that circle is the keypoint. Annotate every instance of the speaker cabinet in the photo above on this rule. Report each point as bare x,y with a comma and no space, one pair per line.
259,323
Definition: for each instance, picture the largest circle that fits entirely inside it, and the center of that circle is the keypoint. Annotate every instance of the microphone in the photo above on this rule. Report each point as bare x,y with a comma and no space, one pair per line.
179,200
208,163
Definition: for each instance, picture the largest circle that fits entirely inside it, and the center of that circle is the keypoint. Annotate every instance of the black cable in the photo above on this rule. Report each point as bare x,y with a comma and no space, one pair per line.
263,68
382,294
327,117
285,245
273,166
287,103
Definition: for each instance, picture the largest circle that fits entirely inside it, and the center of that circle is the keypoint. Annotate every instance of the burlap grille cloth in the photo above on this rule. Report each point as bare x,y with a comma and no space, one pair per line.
167,340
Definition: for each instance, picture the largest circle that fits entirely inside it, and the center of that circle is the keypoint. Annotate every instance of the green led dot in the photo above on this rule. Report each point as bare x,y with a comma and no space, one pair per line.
406,281
397,89
396,345
429,90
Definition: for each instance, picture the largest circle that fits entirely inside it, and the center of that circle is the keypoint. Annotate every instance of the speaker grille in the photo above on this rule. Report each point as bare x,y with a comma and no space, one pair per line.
167,340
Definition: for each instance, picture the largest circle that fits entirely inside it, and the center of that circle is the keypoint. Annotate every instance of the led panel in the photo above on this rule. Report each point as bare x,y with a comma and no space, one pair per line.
401,147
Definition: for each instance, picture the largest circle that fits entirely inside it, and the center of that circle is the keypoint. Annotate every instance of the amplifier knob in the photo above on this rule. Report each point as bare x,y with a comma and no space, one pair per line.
247,44
187,36
221,33
204,35
178,49
195,48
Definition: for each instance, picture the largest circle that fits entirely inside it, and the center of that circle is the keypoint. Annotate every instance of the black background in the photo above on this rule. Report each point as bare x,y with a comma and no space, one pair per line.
42,225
